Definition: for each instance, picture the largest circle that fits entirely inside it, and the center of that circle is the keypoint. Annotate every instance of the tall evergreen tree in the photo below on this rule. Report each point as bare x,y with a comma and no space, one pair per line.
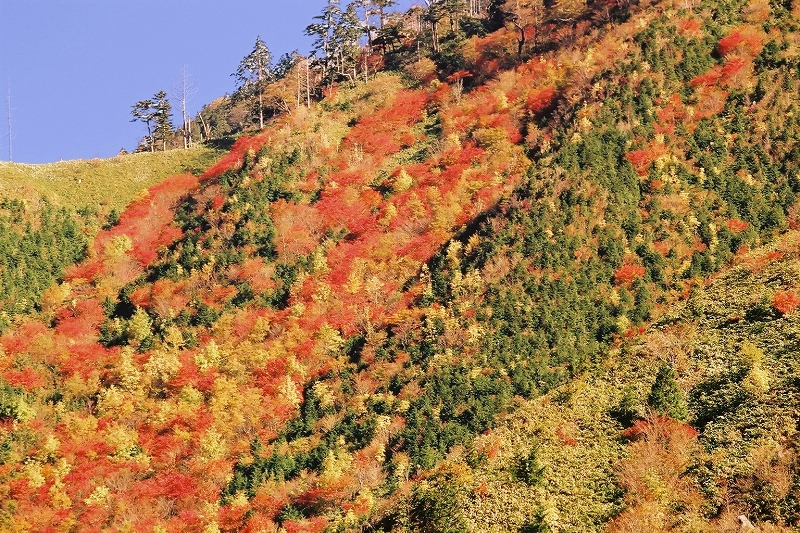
163,118
143,112
665,396
324,48
155,113
346,33
253,75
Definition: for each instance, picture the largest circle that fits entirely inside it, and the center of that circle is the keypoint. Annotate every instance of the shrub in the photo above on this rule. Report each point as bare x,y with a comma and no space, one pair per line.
785,301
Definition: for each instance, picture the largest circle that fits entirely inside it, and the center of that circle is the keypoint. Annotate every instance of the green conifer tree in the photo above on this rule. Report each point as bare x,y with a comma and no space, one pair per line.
665,396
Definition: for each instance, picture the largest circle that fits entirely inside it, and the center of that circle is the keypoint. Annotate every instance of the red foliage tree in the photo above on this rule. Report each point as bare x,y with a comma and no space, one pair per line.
744,40
785,301
541,100
736,225
628,273
641,161
27,378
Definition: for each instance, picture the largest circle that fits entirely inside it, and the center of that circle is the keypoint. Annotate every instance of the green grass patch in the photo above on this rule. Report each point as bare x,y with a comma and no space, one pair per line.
110,182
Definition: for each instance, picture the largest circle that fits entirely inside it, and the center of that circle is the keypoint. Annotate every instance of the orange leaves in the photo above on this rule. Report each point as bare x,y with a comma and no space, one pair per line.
27,378
736,225
785,302
349,208
297,227
641,161
311,525
733,68
81,319
628,273
744,40
690,27
234,159
169,484
541,100
380,133
653,475
707,79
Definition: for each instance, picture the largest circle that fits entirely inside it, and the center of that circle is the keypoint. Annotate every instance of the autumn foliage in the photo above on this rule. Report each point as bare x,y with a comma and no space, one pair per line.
785,302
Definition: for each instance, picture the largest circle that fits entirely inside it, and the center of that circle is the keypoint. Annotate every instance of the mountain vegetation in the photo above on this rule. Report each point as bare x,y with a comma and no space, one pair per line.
518,267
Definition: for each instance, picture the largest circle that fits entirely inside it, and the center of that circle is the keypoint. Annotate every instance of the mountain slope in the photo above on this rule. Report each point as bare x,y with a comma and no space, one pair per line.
301,336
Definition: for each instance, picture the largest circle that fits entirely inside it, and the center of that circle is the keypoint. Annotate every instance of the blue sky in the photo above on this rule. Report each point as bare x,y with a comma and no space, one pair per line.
75,67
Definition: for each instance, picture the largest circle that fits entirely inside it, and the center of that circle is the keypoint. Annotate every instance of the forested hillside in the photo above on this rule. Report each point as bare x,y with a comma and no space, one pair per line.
503,284
49,214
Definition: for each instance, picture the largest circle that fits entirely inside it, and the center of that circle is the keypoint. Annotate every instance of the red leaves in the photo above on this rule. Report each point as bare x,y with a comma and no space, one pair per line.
658,427
744,40
27,378
81,319
627,274
380,134
641,161
460,75
311,525
733,67
785,301
233,160
736,225
690,27
20,340
541,100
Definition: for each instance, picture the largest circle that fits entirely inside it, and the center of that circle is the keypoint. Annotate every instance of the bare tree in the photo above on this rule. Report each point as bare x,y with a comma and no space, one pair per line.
10,136
185,90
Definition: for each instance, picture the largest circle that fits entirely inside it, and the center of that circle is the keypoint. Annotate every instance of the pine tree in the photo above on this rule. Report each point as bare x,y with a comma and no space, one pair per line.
143,112
253,75
163,118
156,114
665,396
323,31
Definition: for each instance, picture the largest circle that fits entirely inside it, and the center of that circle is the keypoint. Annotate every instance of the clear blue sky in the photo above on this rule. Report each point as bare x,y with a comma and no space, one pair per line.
75,67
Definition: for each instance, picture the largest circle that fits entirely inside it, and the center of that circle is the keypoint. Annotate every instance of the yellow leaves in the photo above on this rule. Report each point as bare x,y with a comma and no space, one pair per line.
235,409
356,276
118,247
335,465
212,445
323,394
33,471
114,402
322,293
129,376
403,181
389,213
757,380
123,440
289,392
210,357
173,338
190,395
260,330
139,326
162,366
54,296
100,496
77,388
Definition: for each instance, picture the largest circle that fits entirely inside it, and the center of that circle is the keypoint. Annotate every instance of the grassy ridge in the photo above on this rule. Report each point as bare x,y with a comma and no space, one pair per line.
113,182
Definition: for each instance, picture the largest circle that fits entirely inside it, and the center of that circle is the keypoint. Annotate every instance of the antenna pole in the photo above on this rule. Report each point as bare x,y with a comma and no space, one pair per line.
10,152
